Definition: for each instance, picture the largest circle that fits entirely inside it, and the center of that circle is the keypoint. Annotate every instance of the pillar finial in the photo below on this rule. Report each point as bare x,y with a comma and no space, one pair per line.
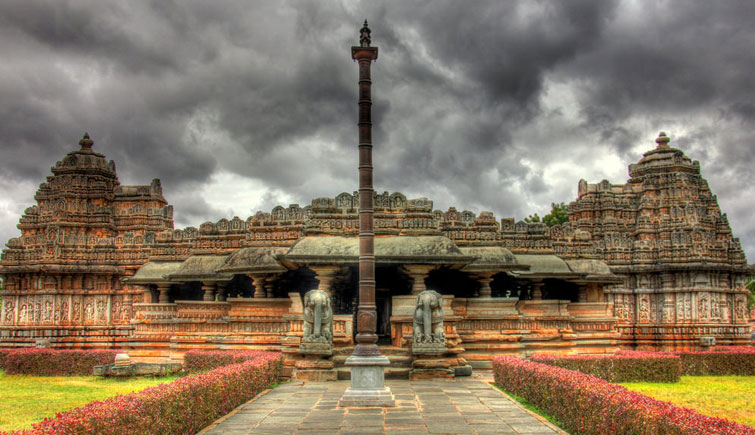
364,35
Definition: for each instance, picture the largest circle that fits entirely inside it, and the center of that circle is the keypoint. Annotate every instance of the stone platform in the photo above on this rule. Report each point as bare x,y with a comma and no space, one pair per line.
468,406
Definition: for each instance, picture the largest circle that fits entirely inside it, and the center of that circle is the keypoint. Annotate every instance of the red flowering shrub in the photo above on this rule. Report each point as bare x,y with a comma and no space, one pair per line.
586,404
4,353
623,367
183,406
196,361
49,362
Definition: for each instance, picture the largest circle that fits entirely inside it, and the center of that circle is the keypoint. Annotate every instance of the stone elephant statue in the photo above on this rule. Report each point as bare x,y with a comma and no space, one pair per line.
318,317
428,318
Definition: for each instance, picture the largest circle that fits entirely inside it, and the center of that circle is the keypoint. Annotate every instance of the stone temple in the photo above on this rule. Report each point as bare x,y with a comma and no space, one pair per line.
649,264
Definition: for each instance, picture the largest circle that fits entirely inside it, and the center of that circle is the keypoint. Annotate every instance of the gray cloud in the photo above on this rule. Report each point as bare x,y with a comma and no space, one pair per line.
497,106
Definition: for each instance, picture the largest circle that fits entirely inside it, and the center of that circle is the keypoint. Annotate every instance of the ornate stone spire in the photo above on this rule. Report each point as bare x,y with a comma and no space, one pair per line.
364,35
85,142
662,140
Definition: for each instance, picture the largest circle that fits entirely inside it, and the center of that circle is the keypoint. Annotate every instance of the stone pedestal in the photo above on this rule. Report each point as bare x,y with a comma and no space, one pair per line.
367,383
314,366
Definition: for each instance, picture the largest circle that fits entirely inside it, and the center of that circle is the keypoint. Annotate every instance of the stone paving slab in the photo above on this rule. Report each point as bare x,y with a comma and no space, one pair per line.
466,406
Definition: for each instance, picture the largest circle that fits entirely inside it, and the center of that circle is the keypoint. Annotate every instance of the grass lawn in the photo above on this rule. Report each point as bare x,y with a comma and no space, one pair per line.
729,397
27,399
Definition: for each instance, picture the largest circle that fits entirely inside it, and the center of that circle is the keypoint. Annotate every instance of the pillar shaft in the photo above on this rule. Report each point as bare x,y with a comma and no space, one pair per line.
163,298
537,291
582,293
485,290
259,286
209,291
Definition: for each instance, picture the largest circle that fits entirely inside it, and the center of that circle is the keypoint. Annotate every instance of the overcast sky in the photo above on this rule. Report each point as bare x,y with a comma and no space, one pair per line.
500,106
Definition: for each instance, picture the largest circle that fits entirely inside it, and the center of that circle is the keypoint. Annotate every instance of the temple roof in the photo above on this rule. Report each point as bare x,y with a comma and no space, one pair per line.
593,270
201,268
490,258
543,266
254,260
154,272
405,249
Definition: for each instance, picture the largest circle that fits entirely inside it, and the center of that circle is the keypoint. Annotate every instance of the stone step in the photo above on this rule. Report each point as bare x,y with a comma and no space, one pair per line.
384,350
344,373
396,360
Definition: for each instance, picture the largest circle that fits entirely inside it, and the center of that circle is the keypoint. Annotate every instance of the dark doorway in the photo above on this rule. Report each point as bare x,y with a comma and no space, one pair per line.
383,304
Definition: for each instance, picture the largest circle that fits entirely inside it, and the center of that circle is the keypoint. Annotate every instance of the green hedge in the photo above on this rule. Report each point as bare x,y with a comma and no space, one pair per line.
49,362
627,367
738,361
184,406
585,404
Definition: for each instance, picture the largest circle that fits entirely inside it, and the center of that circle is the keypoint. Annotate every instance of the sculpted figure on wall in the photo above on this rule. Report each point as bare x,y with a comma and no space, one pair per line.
318,318
428,319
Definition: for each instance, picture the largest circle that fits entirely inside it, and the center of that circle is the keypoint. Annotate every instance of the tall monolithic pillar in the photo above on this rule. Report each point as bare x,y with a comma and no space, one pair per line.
367,376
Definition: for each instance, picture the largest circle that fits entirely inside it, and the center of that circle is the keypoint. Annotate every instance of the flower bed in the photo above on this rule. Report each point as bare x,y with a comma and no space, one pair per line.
624,367
49,362
586,404
196,361
184,406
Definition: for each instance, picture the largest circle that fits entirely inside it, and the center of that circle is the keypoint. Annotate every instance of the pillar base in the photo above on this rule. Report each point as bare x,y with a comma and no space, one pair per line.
367,383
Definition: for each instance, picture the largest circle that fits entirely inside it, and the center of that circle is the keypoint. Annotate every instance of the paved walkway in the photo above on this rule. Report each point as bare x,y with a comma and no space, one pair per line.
438,407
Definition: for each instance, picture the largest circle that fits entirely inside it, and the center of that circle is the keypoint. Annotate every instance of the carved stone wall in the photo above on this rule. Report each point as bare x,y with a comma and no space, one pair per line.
663,230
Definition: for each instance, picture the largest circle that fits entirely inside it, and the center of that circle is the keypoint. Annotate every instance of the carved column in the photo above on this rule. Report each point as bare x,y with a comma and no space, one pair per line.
259,285
485,278
418,272
367,375
222,291
269,285
163,289
582,293
537,291
325,274
209,291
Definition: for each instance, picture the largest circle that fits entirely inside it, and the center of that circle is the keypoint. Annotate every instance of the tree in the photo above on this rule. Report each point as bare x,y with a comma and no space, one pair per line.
558,215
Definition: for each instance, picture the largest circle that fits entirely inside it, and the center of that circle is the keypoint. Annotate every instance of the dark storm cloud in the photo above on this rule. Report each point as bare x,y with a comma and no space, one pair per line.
497,106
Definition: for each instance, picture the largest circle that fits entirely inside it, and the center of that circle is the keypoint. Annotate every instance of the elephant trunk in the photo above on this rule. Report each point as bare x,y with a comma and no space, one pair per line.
427,320
318,321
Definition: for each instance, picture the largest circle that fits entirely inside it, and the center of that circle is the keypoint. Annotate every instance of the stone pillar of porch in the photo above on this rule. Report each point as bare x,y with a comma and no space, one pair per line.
163,289
485,278
325,274
269,286
209,291
418,272
582,293
222,291
259,285
537,290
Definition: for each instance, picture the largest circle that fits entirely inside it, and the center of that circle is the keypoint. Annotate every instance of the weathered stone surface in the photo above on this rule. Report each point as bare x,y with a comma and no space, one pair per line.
137,369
